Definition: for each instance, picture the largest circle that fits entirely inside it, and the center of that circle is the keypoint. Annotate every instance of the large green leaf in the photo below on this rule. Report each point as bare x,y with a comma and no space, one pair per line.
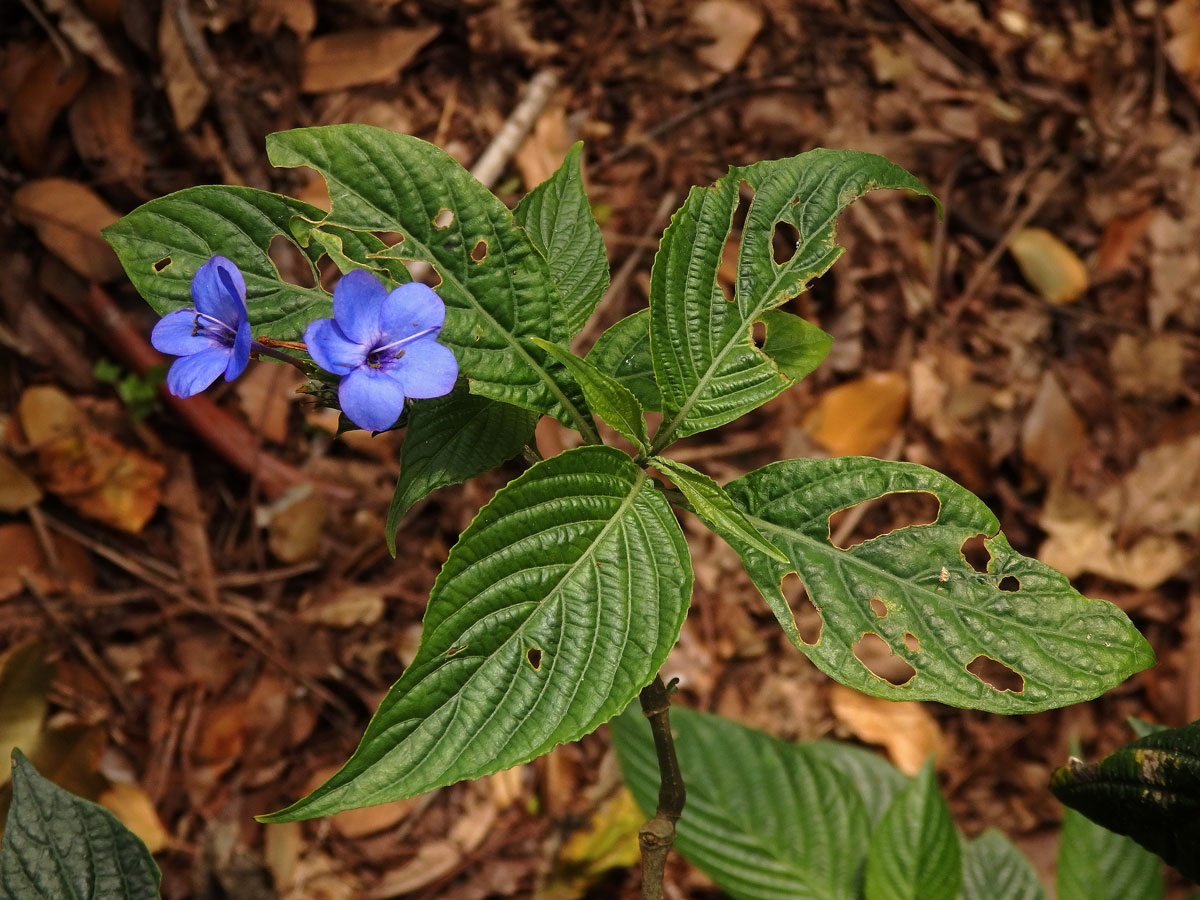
993,869
707,366
162,243
1066,647
877,780
1148,790
914,853
765,819
57,845
556,606
450,439
623,352
1097,864
558,218
606,396
498,289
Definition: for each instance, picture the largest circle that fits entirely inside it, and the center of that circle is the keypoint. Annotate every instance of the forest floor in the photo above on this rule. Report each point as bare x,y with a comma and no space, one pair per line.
203,647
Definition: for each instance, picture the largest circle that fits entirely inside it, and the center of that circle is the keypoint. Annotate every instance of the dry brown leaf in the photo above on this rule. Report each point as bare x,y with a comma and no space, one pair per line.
135,809
1053,433
858,417
1161,493
17,490
25,676
1183,47
266,392
186,91
731,26
84,36
1150,368
1050,266
102,127
353,604
906,730
540,155
433,861
361,56
22,550
68,217
294,524
43,92
300,16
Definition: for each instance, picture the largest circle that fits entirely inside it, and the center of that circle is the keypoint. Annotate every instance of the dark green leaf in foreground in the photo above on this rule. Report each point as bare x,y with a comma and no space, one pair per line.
941,614
765,819
1097,864
1148,790
797,345
876,779
497,287
57,845
606,396
914,853
707,365
623,352
558,218
993,869
450,439
162,243
556,606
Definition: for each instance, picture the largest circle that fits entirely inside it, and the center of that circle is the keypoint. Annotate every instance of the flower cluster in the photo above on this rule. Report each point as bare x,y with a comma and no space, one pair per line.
383,344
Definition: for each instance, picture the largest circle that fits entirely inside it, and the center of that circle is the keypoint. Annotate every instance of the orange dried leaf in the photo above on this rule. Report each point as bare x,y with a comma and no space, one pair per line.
68,217
361,56
906,730
856,418
1050,266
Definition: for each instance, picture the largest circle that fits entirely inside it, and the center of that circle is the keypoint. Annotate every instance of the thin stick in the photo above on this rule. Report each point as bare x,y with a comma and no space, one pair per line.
657,835
515,128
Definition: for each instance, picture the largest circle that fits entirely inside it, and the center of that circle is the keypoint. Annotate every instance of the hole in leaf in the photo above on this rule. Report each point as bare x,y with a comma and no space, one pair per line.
912,642
804,611
1009,583
758,334
291,264
874,518
974,550
162,264
785,242
391,238
534,655
879,607
443,219
996,674
479,251
874,653
454,651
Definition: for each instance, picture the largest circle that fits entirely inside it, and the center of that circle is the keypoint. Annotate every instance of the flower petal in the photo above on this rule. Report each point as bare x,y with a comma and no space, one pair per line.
357,299
331,349
191,374
218,290
176,333
240,353
409,309
371,398
427,369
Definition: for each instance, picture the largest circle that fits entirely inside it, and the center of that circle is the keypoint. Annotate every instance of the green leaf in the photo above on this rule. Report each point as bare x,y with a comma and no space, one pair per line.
914,853
607,397
59,845
1096,864
559,220
556,606
450,439
162,243
763,818
877,780
705,360
796,345
498,289
710,502
623,352
1148,789
993,869
1066,647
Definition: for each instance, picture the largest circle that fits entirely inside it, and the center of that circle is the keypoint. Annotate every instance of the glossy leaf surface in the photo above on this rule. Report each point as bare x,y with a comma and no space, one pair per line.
623,352
606,396
1097,864
993,869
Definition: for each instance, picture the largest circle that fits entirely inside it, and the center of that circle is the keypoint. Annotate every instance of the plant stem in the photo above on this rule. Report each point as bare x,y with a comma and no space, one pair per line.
268,349
658,833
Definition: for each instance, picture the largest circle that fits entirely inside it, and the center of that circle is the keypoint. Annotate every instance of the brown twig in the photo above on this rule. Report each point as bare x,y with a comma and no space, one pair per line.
657,834
516,127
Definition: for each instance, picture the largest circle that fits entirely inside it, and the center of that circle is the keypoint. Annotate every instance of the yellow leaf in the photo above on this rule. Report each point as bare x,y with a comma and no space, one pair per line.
1049,265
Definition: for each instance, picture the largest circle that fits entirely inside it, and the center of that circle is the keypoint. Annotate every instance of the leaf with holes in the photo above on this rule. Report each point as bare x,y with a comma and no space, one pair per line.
914,853
1097,864
558,218
1148,789
497,287
993,869
623,352
60,845
707,366
763,818
162,243
1065,647
606,396
450,439
556,606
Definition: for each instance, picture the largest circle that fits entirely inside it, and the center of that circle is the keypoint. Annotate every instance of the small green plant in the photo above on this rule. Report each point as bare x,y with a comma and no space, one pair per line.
137,392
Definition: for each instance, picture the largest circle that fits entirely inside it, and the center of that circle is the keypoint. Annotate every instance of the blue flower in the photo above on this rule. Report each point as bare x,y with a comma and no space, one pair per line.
211,338
384,346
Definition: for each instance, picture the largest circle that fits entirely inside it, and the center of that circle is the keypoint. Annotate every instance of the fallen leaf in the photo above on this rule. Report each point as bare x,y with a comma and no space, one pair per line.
540,155
299,16
36,102
133,807
84,35
186,90
433,861
22,550
1161,493
1050,266
361,56
905,729
25,676
102,127
1150,368
608,841
731,27
17,490
68,216
266,392
294,524
351,605
859,416
1053,433
1182,19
